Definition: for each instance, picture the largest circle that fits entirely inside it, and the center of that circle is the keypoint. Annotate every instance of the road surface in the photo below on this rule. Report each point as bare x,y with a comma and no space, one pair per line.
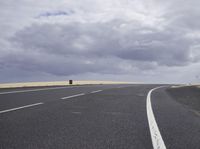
96,117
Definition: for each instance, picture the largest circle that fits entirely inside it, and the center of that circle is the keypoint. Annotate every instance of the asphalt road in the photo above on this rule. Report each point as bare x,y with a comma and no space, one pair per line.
96,117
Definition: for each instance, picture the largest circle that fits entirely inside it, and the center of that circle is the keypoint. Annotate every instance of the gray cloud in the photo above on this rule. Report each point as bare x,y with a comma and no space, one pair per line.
133,39
55,13
166,47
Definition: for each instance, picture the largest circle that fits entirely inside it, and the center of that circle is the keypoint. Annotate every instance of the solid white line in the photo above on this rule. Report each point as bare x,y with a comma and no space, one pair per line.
32,90
14,109
96,91
156,137
73,96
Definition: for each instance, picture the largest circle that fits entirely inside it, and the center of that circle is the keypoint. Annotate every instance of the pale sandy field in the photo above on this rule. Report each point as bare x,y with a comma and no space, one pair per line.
57,83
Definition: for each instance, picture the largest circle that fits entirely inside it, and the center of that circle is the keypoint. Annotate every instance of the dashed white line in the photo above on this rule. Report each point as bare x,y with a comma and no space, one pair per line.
96,91
73,96
18,108
156,137
75,112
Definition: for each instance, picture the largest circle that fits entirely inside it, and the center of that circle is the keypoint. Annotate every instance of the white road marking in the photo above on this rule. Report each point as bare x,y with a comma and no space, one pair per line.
96,91
33,90
76,112
156,137
73,96
18,108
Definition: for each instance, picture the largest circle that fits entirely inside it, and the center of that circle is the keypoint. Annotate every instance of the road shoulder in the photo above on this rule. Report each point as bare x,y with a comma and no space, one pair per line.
178,125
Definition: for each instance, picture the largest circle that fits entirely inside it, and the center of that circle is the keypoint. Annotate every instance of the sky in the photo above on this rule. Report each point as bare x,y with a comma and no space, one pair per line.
150,41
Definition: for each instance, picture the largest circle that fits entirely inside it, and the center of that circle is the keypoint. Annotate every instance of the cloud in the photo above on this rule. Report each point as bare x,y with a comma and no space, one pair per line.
55,13
110,39
101,38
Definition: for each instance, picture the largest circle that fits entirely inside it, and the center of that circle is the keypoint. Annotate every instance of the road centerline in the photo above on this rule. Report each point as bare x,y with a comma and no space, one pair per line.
156,137
22,107
96,91
72,96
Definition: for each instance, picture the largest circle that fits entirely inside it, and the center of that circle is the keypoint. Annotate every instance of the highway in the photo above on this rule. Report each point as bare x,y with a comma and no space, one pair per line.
139,116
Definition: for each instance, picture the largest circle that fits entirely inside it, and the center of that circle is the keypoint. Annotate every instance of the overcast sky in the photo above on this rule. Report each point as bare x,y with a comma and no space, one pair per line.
120,40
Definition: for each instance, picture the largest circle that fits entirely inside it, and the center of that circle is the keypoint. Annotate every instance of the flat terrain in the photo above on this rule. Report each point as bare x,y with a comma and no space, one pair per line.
55,83
94,117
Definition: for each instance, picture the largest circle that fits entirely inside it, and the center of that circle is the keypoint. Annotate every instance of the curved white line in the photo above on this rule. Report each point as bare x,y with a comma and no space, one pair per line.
156,137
